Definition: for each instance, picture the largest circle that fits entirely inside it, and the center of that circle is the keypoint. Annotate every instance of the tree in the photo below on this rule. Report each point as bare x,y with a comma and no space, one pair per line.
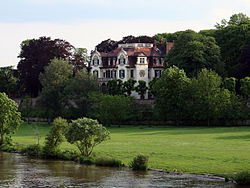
35,55
232,38
129,86
8,81
55,136
230,83
86,133
80,59
55,78
141,88
193,51
110,109
171,92
10,118
78,91
245,86
209,100
244,62
115,87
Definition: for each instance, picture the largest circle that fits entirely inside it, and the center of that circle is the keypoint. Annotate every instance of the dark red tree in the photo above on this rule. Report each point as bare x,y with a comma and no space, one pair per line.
35,55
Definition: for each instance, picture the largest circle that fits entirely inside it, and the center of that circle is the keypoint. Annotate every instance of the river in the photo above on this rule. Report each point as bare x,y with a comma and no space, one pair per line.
20,171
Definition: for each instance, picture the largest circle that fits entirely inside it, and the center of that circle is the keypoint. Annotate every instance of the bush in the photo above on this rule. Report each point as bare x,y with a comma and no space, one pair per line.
140,162
108,162
69,155
87,160
243,178
33,150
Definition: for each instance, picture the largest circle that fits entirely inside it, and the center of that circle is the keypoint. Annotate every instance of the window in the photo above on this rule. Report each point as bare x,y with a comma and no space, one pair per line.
114,61
142,60
95,72
95,61
109,62
131,73
108,74
122,60
113,73
121,73
157,73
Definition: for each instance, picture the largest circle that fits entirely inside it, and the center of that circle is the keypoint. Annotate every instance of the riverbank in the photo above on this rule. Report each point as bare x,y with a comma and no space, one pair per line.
221,151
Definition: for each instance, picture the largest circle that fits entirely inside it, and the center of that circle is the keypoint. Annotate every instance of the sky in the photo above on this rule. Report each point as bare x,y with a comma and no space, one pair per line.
85,23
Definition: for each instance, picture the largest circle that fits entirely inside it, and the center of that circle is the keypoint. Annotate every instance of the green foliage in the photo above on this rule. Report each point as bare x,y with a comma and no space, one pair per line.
33,150
86,160
129,86
8,82
110,109
86,133
140,162
242,178
54,79
230,83
77,93
171,92
141,88
10,118
55,136
245,86
115,87
110,162
193,51
209,100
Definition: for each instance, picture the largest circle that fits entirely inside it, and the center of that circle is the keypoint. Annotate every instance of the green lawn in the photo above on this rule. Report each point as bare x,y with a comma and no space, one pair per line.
199,150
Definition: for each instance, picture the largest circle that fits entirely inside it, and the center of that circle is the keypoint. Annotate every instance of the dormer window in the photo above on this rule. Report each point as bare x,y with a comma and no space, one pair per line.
122,60
95,61
142,60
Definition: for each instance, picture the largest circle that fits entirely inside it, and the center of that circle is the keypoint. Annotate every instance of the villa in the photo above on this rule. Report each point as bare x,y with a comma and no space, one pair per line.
138,61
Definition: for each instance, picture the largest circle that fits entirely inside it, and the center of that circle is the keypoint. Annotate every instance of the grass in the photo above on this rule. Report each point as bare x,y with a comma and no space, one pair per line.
200,150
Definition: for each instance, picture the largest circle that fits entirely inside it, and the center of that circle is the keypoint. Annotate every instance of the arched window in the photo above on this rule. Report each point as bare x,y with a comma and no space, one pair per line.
95,61
122,60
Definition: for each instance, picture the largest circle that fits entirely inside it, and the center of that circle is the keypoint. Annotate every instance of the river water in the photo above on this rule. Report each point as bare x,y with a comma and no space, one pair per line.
20,171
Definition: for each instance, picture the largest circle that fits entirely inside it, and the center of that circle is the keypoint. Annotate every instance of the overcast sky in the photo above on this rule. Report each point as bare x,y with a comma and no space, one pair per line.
85,23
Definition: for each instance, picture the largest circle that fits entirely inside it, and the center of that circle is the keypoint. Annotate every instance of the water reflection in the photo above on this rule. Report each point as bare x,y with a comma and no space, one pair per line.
20,171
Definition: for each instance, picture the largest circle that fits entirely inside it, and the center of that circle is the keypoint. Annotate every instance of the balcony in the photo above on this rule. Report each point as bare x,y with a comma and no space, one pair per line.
104,79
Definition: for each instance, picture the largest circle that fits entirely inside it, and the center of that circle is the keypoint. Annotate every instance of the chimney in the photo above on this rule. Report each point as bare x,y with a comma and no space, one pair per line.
154,43
169,45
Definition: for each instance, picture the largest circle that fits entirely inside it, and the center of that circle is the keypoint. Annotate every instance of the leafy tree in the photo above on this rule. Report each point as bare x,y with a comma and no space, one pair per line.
141,88
151,90
55,136
54,79
35,55
8,81
245,86
86,133
230,83
10,118
80,59
244,62
115,87
171,92
193,51
78,91
129,86
110,109
209,99
232,38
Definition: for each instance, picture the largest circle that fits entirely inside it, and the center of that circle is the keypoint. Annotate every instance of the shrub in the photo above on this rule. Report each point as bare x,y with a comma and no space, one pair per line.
33,150
110,162
140,162
87,160
243,178
69,155
86,133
